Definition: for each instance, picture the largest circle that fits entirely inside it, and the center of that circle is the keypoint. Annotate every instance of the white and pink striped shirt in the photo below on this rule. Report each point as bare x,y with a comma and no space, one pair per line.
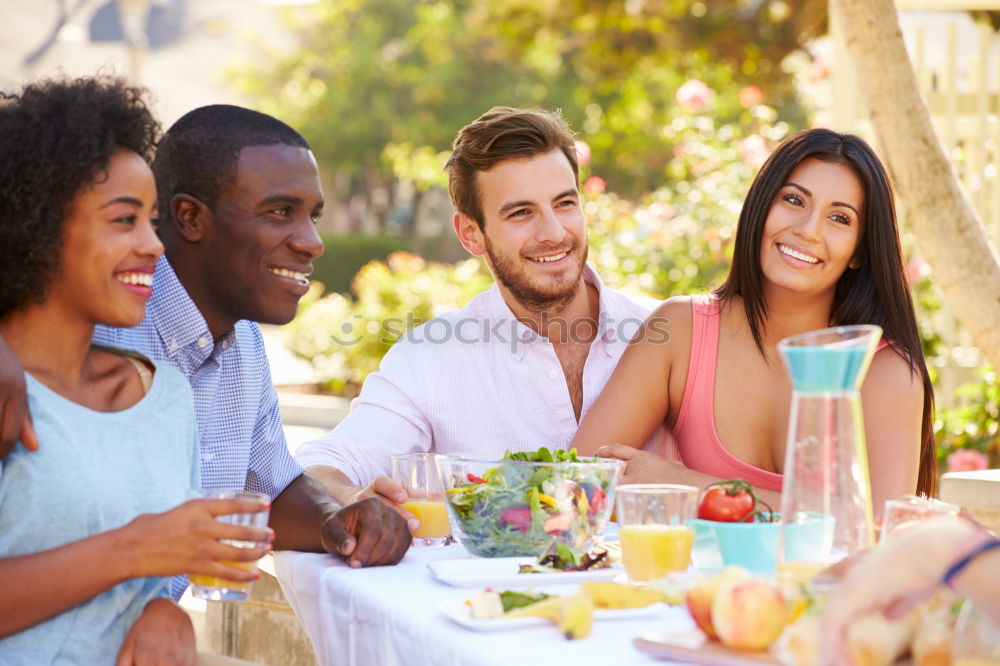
475,381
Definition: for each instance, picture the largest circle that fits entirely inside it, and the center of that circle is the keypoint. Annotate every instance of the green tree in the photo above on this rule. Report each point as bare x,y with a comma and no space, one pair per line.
377,84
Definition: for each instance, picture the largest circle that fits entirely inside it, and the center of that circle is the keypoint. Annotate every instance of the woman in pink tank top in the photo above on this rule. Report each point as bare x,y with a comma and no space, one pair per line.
816,245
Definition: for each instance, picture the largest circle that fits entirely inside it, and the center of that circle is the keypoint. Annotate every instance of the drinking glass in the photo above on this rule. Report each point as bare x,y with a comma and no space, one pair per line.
655,537
418,474
976,641
907,511
214,588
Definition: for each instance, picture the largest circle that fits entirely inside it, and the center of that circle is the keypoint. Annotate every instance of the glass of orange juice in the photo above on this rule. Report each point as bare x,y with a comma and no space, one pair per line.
418,474
214,588
655,537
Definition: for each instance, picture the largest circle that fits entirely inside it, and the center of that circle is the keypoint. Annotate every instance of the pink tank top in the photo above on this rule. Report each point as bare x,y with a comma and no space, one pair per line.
694,432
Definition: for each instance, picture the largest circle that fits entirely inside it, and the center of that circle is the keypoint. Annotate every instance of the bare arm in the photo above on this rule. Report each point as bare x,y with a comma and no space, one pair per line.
646,467
182,540
637,398
892,401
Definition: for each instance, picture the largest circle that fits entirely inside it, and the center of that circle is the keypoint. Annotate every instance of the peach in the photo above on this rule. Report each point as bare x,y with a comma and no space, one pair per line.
749,615
699,598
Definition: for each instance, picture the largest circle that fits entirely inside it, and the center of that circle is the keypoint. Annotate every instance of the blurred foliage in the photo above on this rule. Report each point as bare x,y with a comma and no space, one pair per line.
345,254
378,84
974,423
346,338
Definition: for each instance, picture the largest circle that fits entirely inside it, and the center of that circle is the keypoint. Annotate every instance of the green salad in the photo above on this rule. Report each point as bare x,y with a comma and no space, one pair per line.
520,509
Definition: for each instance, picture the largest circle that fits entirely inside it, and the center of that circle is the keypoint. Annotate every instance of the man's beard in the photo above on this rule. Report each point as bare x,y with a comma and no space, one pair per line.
513,277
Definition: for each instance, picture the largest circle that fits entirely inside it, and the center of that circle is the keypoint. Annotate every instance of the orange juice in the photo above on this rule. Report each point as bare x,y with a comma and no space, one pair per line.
215,581
653,551
433,517
796,572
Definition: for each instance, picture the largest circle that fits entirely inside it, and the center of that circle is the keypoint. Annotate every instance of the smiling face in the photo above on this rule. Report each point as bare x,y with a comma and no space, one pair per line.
109,245
533,234
813,228
260,243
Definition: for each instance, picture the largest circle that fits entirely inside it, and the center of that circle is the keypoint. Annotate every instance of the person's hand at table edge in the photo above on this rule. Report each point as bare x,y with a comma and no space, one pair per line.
367,533
15,419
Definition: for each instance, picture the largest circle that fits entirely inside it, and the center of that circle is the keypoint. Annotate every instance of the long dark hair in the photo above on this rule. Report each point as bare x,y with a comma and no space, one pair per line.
876,292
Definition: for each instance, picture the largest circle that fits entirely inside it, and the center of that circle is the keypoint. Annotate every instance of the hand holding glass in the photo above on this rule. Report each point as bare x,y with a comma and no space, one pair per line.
214,588
418,474
655,537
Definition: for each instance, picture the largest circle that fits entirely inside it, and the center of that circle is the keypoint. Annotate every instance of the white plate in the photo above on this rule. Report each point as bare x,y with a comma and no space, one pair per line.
459,614
502,572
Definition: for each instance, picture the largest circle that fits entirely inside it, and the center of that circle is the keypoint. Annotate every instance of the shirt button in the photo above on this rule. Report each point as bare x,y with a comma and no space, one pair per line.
553,374
203,341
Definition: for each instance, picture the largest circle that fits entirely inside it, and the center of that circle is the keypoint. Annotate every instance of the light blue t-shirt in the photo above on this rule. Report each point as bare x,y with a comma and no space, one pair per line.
94,472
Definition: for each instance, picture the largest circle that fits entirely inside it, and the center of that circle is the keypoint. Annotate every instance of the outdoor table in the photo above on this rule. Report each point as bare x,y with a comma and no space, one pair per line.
387,615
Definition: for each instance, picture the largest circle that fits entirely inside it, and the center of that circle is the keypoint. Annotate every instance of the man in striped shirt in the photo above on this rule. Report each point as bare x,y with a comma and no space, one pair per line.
520,365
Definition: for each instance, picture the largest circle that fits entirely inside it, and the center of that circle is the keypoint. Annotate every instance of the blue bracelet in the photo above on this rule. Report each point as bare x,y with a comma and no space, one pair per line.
954,569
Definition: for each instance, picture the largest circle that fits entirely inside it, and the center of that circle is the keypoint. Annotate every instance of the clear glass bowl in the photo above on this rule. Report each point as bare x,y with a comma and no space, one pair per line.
515,508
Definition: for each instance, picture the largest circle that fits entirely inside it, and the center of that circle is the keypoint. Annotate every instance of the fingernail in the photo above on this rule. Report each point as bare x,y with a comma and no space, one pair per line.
401,497
345,544
356,564
414,524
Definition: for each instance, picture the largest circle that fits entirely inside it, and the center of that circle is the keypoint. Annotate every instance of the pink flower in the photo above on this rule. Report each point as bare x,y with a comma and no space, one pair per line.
916,269
694,94
594,185
967,460
751,96
754,150
582,152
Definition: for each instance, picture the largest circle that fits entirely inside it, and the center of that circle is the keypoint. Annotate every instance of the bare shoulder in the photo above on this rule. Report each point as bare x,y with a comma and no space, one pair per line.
669,322
891,373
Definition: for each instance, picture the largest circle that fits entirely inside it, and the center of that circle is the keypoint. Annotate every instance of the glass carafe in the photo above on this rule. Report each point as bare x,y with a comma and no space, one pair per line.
826,506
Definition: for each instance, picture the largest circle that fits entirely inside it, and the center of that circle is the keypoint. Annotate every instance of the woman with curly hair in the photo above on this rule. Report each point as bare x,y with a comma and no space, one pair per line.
816,245
94,521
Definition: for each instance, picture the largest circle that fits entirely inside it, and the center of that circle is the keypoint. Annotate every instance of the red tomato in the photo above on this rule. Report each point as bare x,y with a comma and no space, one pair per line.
726,505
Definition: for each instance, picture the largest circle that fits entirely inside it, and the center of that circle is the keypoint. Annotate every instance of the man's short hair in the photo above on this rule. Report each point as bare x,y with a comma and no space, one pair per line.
500,134
200,153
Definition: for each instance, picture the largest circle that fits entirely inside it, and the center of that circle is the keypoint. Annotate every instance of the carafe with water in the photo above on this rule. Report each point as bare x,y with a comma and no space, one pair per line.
826,506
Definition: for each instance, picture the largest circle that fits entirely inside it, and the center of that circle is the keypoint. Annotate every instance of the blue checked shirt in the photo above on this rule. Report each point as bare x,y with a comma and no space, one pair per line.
242,441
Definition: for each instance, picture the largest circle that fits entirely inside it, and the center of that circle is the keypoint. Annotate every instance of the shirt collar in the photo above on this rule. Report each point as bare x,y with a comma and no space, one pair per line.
178,320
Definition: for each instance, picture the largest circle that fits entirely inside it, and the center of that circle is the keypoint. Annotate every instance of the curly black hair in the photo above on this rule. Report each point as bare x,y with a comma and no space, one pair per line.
56,136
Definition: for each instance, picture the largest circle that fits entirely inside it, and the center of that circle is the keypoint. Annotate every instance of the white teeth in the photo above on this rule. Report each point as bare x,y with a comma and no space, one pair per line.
784,249
140,279
294,275
554,257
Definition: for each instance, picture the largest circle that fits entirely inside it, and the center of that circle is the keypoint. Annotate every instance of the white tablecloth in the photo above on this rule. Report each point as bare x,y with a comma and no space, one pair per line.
387,616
